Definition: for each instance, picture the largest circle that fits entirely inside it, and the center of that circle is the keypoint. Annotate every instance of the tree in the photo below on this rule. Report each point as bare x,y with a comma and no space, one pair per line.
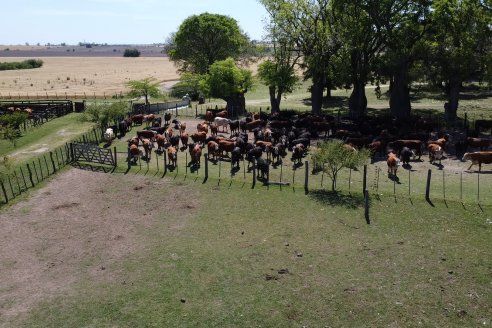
405,27
104,113
144,88
228,82
188,84
460,45
131,53
307,24
204,39
360,26
335,156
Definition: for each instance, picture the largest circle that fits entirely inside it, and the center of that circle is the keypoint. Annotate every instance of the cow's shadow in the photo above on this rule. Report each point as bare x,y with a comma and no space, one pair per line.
439,166
394,178
234,170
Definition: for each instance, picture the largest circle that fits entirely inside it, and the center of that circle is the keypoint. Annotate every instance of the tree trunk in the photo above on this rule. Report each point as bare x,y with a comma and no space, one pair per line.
358,100
317,97
274,99
400,106
451,107
236,105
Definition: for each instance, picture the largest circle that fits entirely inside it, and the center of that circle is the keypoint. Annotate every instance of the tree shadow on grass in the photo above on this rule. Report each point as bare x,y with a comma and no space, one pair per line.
336,198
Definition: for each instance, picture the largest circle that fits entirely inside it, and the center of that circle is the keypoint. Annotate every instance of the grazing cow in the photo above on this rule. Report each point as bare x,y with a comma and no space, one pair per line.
213,149
484,157
133,141
278,152
377,146
223,122
199,137
236,156
157,122
202,127
109,135
122,127
222,114
253,154
393,162
298,153
234,125
167,118
146,134
168,133
182,127
137,119
478,143
174,141
440,142
147,146
172,155
161,142
255,124
134,153
195,153
405,155
416,145
226,146
213,129
148,119
184,140
262,169
209,116
263,144
435,153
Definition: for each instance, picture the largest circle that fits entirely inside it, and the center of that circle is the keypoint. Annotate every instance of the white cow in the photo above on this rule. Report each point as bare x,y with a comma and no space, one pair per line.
223,122
109,135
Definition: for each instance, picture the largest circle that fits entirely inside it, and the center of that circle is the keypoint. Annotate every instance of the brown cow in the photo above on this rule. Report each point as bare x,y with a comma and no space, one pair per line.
199,137
173,156
135,153
255,124
148,119
297,153
147,146
146,134
161,141
222,114
137,119
184,140
435,152
416,145
167,118
226,146
478,143
393,162
214,129
213,149
196,154
182,127
202,127
209,116
480,157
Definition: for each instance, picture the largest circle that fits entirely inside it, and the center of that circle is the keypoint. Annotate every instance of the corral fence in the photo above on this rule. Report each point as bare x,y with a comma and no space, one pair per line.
41,111
81,151
159,107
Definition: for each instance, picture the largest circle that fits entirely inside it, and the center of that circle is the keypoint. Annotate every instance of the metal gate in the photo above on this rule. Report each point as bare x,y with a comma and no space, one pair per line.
93,154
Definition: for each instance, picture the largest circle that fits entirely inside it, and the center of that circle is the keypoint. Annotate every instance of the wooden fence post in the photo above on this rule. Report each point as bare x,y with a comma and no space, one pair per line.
366,207
10,184
23,177
427,188
116,157
35,171
254,174
165,162
206,167
52,162
4,192
186,166
306,178
72,156
30,174
478,187
364,181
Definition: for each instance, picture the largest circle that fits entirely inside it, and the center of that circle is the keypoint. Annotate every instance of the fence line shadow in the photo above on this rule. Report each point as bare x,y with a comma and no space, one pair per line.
337,198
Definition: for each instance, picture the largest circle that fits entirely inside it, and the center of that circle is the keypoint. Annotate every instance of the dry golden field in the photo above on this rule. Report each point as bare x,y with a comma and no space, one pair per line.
78,75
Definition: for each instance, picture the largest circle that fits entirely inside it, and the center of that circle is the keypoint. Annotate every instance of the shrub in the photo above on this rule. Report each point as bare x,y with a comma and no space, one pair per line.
26,64
131,53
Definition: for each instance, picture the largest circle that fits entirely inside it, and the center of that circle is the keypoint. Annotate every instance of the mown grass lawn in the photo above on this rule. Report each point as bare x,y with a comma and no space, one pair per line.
256,258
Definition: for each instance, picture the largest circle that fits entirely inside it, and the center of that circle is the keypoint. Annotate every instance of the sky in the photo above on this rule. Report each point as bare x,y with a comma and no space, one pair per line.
115,21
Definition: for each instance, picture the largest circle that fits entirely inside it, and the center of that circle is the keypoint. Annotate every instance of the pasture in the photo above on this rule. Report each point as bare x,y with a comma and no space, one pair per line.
94,249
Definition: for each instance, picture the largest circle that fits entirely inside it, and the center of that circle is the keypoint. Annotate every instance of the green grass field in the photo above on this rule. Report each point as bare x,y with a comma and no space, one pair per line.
255,258
272,256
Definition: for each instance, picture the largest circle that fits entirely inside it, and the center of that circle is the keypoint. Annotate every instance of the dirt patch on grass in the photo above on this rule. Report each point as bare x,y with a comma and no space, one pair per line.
78,227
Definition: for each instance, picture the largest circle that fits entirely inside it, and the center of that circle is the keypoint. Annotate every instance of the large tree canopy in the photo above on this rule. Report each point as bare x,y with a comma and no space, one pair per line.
460,42
202,40
228,82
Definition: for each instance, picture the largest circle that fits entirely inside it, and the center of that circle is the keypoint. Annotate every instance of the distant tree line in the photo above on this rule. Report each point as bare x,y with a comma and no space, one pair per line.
26,64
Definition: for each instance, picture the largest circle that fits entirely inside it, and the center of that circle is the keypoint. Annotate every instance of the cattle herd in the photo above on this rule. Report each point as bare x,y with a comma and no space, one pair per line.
264,139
